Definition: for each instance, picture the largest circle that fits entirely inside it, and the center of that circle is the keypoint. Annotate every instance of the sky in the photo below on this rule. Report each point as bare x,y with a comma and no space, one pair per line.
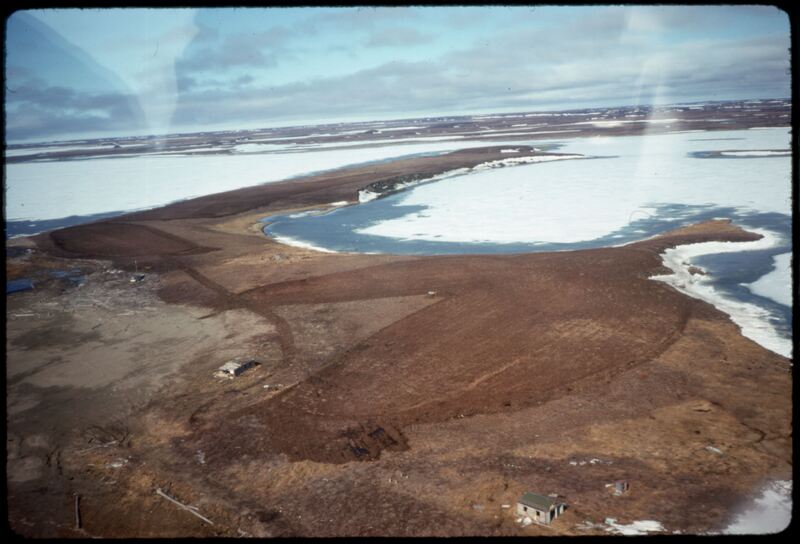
87,73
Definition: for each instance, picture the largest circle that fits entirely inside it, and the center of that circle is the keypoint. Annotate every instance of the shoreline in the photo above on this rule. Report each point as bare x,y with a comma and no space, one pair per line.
686,277
693,281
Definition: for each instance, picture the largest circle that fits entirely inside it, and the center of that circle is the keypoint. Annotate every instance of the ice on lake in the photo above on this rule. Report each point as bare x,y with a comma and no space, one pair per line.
777,285
574,201
58,189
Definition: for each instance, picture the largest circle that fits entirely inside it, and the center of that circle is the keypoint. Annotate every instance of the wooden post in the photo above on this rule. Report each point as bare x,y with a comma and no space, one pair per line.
77,511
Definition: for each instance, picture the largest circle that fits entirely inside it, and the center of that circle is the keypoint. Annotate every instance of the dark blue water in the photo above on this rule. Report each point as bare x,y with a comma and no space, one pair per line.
27,228
71,278
336,229
731,270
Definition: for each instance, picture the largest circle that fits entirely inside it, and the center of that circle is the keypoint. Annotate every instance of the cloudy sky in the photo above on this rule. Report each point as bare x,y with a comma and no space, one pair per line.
85,73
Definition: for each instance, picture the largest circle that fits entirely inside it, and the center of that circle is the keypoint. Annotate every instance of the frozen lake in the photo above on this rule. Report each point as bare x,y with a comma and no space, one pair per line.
576,201
57,190
634,188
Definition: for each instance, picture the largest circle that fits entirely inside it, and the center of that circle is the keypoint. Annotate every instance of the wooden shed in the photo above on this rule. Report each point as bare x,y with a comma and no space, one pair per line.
234,368
540,508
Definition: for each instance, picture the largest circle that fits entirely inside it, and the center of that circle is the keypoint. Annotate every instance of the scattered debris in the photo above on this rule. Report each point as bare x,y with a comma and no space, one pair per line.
201,457
191,509
235,368
18,252
619,487
592,461
703,406
589,525
107,444
118,463
74,276
136,278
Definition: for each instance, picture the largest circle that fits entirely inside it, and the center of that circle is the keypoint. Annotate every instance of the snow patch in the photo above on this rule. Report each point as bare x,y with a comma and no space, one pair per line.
365,195
532,133
53,149
636,528
289,241
260,148
786,153
620,122
401,128
523,160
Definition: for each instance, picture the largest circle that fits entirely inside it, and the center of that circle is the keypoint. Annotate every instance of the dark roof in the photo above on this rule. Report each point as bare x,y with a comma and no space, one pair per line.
539,502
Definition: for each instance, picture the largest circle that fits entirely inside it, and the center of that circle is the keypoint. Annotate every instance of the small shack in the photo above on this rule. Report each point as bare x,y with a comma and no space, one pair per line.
540,508
235,368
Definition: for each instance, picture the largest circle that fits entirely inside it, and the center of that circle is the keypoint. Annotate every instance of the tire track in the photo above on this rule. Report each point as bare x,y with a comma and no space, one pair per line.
231,301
